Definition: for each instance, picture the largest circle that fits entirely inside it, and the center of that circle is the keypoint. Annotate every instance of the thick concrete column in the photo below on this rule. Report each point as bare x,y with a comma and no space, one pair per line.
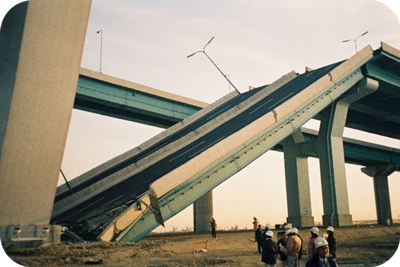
203,212
41,45
381,188
331,154
297,182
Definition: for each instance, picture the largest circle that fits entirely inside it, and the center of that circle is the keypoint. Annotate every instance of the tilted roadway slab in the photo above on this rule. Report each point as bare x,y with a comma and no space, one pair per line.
125,178
214,144
133,171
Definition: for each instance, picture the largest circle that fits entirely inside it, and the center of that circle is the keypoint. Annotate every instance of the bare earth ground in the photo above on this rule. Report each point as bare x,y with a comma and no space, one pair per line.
357,246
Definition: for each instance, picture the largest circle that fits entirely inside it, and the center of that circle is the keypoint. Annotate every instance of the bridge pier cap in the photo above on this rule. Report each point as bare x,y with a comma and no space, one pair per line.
380,175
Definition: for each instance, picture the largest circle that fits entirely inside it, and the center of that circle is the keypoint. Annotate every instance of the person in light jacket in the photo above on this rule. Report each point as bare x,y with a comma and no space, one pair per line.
293,249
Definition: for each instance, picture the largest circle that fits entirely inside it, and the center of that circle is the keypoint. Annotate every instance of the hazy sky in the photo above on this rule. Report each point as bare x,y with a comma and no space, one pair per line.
256,42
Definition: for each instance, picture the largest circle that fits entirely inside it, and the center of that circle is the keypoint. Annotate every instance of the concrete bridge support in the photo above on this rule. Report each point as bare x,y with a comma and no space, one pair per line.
381,188
297,182
331,154
41,45
203,212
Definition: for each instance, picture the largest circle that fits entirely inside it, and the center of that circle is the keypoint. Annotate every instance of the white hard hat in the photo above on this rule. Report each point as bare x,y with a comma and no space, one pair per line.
330,228
269,233
320,242
294,230
314,230
288,231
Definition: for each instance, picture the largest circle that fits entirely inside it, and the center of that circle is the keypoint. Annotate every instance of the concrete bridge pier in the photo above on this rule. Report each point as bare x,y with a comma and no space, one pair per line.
297,182
41,45
381,188
203,212
331,155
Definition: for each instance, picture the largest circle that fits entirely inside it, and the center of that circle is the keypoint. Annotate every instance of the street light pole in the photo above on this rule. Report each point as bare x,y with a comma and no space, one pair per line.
204,52
355,40
101,48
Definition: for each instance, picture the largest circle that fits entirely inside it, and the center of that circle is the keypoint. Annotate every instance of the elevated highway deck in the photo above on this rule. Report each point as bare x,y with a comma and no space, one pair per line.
172,170
103,94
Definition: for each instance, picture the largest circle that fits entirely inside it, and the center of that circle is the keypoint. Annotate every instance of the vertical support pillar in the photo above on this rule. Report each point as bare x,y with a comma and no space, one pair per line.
331,154
297,182
203,212
381,188
41,45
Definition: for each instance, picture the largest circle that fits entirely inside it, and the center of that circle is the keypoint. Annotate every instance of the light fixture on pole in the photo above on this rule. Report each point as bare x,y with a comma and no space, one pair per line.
355,40
204,52
101,48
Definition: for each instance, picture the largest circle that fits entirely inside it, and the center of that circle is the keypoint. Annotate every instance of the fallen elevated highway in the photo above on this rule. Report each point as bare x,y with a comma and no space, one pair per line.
172,170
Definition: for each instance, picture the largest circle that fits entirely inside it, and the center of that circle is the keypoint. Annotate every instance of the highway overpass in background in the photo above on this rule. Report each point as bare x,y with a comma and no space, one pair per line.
169,172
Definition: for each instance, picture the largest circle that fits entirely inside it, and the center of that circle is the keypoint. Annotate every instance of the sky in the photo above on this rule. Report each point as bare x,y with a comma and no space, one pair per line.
256,42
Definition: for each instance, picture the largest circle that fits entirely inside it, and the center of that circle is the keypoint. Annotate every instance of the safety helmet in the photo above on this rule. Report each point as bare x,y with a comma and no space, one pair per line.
314,230
330,228
269,233
294,230
320,242
288,231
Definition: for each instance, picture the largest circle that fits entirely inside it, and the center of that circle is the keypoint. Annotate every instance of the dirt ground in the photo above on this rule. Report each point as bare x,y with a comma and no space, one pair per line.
357,246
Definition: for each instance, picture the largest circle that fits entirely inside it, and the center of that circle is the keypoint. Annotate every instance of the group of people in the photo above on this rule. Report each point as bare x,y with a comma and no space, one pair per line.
321,251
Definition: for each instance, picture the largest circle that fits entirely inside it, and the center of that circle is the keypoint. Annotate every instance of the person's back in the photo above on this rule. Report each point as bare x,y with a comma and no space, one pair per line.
332,245
269,250
293,245
311,247
293,250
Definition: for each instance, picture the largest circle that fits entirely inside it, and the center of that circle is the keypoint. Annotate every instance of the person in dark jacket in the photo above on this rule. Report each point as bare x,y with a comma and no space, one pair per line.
269,250
259,238
213,224
321,258
282,244
332,241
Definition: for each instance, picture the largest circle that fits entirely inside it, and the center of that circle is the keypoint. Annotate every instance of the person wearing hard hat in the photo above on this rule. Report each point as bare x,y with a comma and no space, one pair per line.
332,241
296,232
321,258
266,230
311,243
269,250
293,249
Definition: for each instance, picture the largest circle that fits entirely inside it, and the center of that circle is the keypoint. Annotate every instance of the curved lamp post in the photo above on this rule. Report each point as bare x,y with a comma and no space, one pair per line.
355,40
204,52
